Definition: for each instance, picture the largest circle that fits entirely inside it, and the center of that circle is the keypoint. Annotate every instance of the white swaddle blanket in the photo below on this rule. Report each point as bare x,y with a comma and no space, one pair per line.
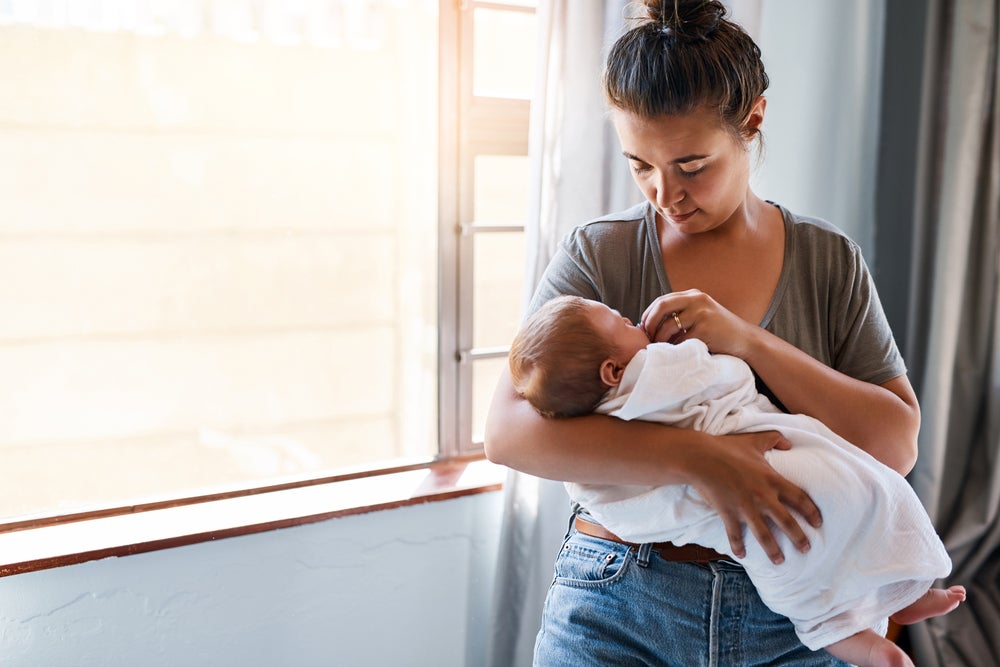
876,552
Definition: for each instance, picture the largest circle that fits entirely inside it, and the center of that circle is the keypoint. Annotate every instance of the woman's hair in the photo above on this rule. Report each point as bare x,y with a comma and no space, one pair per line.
555,359
685,55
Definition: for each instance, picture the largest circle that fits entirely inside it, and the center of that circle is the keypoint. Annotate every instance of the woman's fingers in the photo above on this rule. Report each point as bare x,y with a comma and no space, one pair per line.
734,531
790,495
751,497
762,524
659,326
660,320
762,533
763,441
670,327
678,316
799,500
790,526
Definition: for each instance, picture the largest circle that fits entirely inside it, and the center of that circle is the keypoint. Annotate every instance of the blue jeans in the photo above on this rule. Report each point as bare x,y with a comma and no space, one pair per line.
616,606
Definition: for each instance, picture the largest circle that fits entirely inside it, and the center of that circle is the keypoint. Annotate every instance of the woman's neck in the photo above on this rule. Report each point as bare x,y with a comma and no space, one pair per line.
738,263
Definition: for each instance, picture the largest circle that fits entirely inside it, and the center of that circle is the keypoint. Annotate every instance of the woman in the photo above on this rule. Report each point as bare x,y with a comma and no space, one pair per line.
788,294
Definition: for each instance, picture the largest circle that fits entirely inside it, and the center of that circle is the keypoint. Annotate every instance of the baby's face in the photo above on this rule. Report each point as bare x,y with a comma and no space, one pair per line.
627,338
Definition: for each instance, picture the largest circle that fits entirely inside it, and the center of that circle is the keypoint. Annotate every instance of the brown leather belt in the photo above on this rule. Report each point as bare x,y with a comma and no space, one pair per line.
690,553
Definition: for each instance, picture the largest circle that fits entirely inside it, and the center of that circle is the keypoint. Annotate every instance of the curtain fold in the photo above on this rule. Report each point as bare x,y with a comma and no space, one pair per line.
577,173
954,322
576,168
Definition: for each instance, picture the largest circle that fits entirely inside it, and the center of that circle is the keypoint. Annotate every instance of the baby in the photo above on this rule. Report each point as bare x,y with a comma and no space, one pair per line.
877,553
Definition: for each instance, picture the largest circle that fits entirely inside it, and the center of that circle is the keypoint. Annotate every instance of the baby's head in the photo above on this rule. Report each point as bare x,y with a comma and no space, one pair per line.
569,353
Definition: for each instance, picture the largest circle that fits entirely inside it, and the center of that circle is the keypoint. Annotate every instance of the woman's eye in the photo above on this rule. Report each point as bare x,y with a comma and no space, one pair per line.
692,170
641,168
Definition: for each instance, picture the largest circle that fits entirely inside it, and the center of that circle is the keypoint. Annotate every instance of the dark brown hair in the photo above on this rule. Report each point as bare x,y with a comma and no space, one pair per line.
682,56
556,357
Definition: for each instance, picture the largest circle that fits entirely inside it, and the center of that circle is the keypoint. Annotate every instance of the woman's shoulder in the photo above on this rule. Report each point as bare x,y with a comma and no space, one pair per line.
622,236
816,230
628,223
614,259
813,237
637,213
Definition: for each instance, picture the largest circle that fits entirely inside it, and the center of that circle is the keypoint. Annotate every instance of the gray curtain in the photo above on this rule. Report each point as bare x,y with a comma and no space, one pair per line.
577,174
952,323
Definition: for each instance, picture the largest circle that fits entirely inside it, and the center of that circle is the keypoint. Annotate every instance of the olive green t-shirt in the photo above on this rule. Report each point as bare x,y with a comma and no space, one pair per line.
825,303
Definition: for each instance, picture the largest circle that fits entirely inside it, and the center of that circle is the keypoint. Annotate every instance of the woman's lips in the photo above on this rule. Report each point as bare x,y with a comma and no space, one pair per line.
682,217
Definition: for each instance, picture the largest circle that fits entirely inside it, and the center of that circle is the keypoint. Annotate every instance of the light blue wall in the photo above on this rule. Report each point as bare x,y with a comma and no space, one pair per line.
409,587
822,121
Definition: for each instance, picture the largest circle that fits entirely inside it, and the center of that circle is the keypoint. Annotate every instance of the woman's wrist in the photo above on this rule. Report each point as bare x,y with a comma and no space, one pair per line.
754,344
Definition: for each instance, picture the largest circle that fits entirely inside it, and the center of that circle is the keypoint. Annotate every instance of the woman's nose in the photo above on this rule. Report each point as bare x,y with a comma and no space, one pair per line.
669,192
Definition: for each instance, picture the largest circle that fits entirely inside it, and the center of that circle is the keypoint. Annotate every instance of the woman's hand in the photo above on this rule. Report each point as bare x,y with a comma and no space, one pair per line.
677,316
733,477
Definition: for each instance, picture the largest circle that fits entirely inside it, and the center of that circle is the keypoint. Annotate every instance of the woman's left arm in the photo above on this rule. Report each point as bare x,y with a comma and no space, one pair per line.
881,419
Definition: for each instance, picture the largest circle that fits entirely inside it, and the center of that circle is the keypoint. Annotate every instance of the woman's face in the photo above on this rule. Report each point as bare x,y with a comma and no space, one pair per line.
690,167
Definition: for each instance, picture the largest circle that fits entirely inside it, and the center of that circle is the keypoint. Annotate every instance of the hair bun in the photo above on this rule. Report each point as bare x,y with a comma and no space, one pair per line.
688,20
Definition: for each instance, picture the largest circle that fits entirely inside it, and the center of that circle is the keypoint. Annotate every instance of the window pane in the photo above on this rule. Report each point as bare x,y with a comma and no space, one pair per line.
500,69
501,197
208,280
497,293
501,194
484,380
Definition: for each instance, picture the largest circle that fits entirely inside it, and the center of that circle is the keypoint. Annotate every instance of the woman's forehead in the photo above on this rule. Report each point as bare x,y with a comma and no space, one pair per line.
688,134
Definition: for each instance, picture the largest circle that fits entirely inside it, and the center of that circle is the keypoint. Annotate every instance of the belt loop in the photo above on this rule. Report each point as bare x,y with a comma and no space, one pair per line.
576,507
642,558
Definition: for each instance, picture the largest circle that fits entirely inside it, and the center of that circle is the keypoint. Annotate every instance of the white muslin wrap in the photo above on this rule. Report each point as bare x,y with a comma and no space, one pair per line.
876,552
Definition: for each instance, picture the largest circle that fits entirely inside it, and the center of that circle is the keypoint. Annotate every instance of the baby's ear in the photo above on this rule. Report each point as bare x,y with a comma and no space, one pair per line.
611,372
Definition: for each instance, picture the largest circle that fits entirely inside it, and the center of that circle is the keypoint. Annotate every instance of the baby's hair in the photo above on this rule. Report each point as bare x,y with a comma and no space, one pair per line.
555,359
682,56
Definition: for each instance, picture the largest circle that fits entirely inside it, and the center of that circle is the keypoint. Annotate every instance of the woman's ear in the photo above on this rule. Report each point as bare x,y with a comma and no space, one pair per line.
754,119
611,372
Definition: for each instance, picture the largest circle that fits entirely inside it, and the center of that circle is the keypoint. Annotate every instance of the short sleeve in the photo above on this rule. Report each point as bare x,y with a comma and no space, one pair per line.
864,347
828,306
567,273
615,260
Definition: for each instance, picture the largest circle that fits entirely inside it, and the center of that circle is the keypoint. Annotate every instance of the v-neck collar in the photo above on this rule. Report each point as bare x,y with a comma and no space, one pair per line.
653,239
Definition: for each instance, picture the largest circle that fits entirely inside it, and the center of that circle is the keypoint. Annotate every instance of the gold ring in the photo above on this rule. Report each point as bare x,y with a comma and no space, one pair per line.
677,321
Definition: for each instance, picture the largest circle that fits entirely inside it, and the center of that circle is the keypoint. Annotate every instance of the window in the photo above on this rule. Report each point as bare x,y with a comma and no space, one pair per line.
488,200
248,242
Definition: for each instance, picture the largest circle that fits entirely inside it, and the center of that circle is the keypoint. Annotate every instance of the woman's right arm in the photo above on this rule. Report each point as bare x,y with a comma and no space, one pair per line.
733,477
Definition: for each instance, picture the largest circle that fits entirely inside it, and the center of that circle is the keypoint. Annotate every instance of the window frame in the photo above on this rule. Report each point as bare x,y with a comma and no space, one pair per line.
486,126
